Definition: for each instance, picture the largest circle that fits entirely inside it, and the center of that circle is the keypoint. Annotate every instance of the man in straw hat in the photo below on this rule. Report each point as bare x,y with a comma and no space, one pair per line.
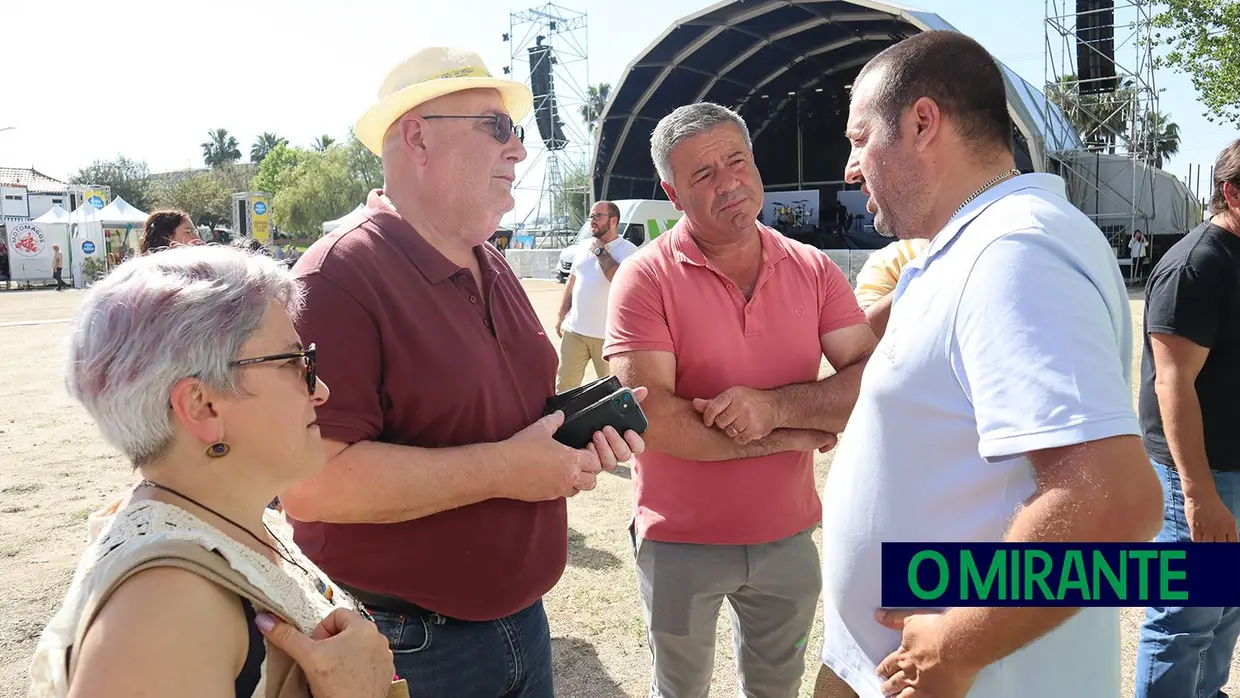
442,507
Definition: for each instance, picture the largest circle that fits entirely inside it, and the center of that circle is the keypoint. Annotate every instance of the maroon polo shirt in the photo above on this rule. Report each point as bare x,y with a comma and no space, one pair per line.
412,358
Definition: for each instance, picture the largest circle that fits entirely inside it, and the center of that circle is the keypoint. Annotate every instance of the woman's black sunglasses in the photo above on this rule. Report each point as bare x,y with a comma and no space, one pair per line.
307,364
504,128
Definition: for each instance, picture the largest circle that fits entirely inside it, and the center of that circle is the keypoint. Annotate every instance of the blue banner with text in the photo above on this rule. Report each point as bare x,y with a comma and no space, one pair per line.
935,575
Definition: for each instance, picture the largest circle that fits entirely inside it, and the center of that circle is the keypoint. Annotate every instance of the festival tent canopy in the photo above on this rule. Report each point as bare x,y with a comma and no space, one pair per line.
85,238
120,212
58,215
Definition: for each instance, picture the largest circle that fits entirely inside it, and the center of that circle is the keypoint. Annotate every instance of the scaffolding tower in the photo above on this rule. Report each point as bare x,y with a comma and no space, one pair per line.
549,52
1099,69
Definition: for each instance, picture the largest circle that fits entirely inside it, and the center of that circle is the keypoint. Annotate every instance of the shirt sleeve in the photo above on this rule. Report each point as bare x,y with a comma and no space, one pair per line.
838,306
1185,301
1038,352
636,317
878,276
622,252
351,369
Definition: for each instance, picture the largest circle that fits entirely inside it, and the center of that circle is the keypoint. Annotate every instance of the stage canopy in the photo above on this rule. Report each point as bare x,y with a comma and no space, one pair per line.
786,66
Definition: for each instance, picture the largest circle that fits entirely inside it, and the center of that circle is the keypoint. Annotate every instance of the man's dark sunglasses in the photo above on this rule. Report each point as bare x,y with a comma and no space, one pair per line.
504,128
307,364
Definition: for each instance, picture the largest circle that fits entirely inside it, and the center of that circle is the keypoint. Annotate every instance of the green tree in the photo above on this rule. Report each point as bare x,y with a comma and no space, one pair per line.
264,144
322,143
572,207
320,188
596,102
220,149
1160,138
1204,41
127,178
205,196
275,174
1101,120
364,166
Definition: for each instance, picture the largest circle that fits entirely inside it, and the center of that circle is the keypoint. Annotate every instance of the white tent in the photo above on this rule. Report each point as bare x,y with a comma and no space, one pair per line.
124,224
332,225
120,212
87,240
30,245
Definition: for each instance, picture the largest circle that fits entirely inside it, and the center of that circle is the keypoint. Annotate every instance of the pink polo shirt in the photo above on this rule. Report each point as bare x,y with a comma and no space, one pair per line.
667,297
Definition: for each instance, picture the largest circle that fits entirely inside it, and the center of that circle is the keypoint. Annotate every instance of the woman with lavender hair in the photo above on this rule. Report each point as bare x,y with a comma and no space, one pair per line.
189,363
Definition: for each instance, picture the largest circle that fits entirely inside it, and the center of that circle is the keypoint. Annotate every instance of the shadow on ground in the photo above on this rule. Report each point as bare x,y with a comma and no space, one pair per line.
582,555
579,673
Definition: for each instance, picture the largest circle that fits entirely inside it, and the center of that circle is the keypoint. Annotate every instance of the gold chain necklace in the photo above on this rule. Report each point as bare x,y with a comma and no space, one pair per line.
991,183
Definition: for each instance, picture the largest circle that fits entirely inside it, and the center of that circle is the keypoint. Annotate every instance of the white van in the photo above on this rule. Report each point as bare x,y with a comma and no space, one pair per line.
641,220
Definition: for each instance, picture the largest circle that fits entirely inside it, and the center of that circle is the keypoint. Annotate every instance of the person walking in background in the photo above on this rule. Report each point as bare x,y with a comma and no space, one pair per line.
997,406
443,504
58,268
727,322
582,322
1190,379
1137,248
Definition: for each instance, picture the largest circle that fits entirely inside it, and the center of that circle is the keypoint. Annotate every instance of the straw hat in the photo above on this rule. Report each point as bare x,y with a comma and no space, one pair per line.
430,73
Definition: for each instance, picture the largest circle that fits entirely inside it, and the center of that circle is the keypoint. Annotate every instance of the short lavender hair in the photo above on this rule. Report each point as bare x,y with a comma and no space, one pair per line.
158,319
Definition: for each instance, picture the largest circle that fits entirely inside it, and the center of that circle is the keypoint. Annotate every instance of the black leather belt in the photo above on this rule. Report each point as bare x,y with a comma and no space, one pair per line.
387,603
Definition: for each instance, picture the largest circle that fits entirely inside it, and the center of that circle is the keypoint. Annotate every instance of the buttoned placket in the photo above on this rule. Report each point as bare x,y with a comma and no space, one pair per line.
464,281
748,323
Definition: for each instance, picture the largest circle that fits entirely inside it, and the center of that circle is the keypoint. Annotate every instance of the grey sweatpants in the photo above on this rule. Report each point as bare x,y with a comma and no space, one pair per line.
772,590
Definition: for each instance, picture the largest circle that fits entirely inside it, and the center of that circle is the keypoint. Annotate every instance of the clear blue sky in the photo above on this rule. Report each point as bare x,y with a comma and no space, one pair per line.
147,81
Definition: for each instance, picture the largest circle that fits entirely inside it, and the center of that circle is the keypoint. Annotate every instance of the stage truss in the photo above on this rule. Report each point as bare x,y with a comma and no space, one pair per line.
557,169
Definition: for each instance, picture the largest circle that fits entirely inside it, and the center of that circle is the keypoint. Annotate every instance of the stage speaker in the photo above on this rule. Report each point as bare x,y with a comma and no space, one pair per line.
1095,46
546,114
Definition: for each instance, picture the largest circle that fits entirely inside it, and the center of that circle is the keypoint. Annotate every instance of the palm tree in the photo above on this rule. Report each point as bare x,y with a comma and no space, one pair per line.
596,101
1102,120
220,149
264,144
322,143
1161,138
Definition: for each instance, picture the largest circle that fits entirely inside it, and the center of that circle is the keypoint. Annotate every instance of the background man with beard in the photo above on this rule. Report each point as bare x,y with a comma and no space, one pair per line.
583,311
998,404
727,322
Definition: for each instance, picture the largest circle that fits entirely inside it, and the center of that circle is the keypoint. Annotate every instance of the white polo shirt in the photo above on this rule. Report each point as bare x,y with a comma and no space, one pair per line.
588,314
1011,333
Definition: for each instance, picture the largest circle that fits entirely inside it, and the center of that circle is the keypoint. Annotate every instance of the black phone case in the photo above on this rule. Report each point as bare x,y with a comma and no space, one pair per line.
618,410
573,401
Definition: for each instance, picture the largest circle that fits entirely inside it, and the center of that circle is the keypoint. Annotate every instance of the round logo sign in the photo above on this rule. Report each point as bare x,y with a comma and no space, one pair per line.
88,247
96,201
260,207
27,239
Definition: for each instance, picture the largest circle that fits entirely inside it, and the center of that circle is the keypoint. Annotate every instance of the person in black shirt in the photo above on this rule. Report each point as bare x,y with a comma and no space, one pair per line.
1190,380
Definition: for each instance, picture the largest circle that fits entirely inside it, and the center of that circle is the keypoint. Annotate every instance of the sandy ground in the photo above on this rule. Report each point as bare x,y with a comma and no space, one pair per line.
55,469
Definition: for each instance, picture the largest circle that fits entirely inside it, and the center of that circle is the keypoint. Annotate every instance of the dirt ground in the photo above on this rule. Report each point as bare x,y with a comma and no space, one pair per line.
55,469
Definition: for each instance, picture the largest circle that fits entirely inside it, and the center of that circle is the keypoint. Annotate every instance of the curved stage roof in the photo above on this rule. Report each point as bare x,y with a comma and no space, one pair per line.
764,58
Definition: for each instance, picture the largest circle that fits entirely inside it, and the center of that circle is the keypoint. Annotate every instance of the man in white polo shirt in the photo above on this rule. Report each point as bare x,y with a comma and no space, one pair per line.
996,407
582,323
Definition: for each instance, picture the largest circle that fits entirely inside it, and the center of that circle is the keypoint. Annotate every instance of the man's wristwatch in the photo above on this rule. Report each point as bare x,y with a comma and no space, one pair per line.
598,252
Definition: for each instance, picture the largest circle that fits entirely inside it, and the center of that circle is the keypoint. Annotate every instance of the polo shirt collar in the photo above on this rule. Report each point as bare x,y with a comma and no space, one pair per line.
1049,183
428,260
686,251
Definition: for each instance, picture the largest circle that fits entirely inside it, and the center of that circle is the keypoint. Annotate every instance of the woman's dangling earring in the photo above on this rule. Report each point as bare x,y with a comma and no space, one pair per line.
219,449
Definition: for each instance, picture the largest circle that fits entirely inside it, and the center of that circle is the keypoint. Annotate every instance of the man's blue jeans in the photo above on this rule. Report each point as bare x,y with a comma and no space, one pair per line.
438,656
1186,652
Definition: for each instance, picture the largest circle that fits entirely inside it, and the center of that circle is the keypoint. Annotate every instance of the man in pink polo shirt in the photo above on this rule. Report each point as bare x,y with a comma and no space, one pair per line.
726,322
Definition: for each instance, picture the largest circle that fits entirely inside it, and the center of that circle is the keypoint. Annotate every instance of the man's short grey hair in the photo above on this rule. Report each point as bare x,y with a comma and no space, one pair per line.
686,122
158,319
